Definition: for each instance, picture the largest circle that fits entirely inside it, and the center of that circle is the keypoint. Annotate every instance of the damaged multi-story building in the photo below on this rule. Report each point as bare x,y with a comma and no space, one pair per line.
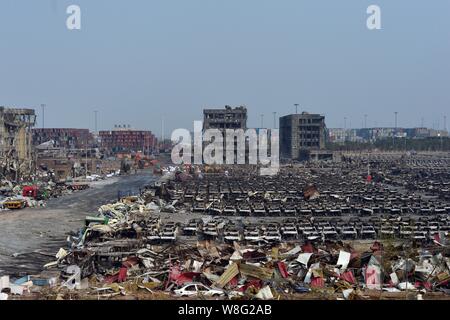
227,118
16,156
303,137
68,138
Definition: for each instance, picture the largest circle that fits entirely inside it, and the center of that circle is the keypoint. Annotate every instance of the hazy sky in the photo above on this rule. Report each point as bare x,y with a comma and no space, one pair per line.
136,61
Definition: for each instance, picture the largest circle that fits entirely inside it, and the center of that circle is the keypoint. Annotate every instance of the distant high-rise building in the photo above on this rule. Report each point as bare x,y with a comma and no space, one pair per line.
300,134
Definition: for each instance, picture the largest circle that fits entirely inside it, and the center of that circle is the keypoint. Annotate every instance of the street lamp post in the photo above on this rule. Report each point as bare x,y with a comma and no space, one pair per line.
396,113
274,120
43,115
395,131
95,121
87,142
345,129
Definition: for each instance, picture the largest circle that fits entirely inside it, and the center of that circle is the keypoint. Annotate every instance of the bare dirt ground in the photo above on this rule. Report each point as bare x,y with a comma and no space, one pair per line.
29,238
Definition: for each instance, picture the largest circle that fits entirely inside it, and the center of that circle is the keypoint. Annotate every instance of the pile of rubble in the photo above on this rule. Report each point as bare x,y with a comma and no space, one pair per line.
126,251
114,256
33,194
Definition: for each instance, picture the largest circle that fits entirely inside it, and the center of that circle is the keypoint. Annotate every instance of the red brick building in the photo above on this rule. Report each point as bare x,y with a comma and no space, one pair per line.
128,140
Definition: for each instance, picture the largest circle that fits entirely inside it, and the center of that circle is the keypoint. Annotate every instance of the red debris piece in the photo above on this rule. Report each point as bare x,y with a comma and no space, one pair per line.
349,277
122,274
317,282
283,270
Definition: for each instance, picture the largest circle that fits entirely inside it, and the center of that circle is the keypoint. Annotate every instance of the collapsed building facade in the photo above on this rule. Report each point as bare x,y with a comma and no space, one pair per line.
16,157
68,138
227,118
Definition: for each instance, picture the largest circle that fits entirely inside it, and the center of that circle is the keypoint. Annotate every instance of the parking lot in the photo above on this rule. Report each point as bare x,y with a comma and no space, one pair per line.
405,197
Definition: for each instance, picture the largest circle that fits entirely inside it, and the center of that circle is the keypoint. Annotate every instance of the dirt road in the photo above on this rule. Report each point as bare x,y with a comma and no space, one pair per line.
30,237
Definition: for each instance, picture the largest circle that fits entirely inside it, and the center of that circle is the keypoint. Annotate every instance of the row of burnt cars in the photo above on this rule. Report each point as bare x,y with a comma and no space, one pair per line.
294,229
293,209
337,194
427,174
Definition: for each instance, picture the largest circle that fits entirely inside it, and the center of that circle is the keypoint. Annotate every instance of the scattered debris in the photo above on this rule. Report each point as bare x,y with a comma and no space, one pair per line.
128,249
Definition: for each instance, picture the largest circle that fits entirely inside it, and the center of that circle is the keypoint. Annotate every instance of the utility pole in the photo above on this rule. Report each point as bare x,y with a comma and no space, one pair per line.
143,144
274,119
396,113
43,115
95,121
445,130
87,142
162,130
395,130
345,129
296,108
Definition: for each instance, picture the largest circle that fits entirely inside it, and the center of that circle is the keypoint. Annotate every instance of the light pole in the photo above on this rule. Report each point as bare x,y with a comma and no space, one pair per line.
395,130
345,129
274,119
162,131
396,114
87,142
95,120
43,115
